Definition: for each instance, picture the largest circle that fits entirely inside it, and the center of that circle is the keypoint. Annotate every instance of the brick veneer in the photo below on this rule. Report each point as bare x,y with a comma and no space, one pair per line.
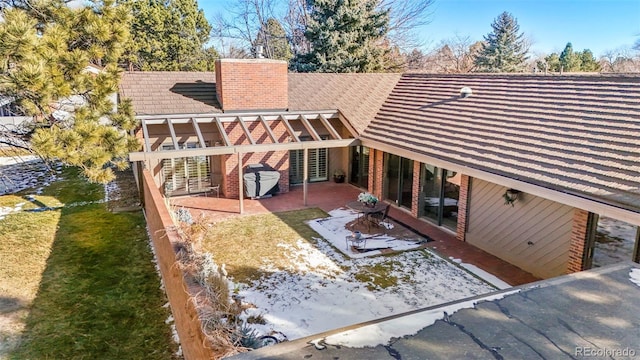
372,170
578,241
278,160
415,198
377,190
252,84
463,202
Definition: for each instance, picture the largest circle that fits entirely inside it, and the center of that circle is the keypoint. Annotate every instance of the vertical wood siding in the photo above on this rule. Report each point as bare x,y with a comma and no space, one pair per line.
505,231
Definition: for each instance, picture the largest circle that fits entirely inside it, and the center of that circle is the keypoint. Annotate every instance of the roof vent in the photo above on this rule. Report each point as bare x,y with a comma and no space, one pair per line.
465,92
259,52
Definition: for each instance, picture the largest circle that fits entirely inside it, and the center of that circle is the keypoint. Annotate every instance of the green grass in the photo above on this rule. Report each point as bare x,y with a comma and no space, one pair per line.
245,243
98,293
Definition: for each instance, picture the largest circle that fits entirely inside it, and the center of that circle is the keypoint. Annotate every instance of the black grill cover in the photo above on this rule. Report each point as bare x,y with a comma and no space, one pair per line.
260,180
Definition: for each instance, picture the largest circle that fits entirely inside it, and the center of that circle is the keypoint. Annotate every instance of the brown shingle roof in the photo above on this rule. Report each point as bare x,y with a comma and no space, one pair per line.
357,96
575,133
166,92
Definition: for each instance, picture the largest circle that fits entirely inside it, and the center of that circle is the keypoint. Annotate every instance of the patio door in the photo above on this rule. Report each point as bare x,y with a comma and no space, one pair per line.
439,194
359,174
186,175
398,181
318,164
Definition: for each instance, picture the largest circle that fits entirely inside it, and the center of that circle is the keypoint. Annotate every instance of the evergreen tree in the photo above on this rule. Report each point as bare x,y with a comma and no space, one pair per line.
345,36
588,62
47,50
273,40
569,61
504,49
168,35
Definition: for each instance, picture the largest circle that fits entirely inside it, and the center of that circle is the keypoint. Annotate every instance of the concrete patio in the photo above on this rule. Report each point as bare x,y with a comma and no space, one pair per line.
328,196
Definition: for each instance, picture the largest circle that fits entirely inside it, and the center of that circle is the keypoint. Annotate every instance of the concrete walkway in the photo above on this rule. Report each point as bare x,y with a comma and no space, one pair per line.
328,196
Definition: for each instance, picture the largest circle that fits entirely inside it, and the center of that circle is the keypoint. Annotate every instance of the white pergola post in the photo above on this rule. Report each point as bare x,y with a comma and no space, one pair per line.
240,183
305,173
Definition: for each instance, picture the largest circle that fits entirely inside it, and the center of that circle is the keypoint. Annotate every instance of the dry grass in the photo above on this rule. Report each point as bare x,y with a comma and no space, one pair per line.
245,243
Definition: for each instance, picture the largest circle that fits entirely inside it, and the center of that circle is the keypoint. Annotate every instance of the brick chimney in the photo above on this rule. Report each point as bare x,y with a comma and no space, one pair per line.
252,84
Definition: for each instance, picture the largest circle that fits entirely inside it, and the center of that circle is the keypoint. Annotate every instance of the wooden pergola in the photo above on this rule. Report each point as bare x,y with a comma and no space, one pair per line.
292,141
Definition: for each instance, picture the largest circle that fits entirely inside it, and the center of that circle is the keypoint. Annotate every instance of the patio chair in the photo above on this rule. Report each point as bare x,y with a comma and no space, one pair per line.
382,216
358,243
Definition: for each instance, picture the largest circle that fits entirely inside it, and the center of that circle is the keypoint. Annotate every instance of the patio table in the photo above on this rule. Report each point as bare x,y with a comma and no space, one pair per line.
365,211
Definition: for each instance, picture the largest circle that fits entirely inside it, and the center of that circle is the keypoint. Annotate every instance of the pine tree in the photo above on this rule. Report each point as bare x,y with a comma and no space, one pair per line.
569,61
504,49
47,50
345,36
272,38
588,62
168,35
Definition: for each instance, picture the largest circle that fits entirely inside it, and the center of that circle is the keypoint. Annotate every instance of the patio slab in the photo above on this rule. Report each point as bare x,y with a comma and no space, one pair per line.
328,196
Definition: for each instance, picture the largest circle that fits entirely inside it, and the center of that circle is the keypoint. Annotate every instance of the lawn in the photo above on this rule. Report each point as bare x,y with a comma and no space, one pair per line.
79,279
299,284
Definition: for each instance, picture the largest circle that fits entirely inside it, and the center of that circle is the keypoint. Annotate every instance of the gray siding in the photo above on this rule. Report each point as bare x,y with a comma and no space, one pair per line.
505,231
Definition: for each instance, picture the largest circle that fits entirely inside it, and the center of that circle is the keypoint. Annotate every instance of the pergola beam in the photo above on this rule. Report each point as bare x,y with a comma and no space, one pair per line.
145,134
247,133
309,128
226,150
332,130
267,129
289,129
196,128
223,133
172,131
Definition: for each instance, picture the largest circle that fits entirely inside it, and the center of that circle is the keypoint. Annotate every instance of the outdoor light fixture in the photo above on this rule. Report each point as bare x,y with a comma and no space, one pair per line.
510,196
465,92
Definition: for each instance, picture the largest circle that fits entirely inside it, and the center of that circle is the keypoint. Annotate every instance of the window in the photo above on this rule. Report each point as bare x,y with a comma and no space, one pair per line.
186,175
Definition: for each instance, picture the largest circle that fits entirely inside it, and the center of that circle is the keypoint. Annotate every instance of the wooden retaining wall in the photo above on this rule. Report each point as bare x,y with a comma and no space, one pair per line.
164,235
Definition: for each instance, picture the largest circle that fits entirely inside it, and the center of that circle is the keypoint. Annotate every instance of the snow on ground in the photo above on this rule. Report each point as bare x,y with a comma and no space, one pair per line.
634,276
21,172
490,278
320,291
380,333
615,242
333,229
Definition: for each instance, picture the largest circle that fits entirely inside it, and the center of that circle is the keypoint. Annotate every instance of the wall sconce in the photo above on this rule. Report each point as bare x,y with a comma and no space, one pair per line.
510,196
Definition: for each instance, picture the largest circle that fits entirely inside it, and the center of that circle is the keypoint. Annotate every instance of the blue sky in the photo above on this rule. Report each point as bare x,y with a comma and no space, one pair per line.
598,25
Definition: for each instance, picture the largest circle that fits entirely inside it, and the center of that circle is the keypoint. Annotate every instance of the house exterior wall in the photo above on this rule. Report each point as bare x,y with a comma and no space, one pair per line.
463,206
578,245
252,84
279,160
534,234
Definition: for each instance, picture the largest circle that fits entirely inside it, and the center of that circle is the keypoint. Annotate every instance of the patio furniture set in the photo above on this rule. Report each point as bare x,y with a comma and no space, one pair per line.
369,214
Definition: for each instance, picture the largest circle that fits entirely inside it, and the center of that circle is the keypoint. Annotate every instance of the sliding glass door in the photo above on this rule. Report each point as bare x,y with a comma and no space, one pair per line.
359,174
398,181
439,194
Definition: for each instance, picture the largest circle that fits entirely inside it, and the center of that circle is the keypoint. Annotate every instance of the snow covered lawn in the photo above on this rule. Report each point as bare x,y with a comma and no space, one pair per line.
319,288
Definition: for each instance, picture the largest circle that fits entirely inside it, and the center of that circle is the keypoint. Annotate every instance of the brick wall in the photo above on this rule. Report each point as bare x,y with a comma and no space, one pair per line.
371,180
463,202
278,160
163,236
378,174
252,84
415,198
578,241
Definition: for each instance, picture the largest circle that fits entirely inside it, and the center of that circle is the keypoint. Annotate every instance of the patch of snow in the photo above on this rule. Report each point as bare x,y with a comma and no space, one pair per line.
22,172
6,210
634,276
490,278
323,290
615,242
382,332
333,229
